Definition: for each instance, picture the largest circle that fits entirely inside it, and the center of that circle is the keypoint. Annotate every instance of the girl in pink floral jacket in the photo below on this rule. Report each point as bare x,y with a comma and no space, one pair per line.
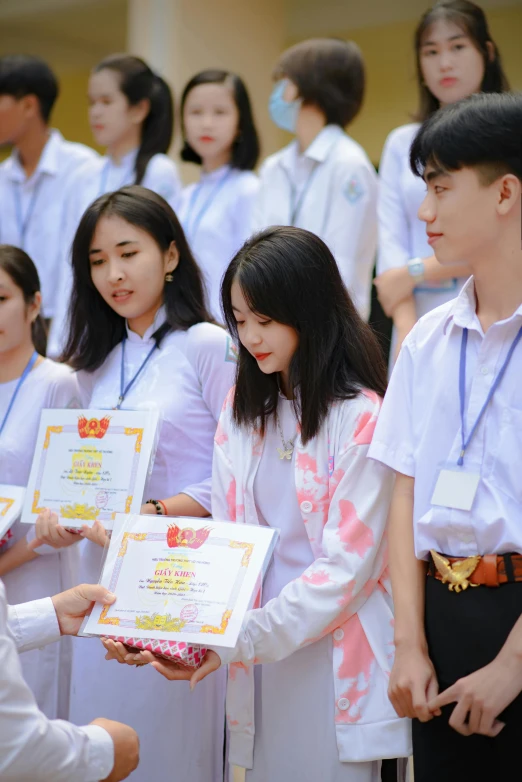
307,696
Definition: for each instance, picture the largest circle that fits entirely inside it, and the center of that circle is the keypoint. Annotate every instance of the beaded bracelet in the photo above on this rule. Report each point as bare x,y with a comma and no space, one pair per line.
160,506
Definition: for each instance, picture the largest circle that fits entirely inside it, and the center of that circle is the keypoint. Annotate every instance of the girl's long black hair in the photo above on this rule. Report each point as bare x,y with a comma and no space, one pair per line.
95,328
472,20
138,82
20,268
290,276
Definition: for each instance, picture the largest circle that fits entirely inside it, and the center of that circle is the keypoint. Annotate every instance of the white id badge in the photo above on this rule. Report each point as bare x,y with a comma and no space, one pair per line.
456,487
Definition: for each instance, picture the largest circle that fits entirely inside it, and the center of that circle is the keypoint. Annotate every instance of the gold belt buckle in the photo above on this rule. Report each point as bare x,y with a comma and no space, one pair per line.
456,575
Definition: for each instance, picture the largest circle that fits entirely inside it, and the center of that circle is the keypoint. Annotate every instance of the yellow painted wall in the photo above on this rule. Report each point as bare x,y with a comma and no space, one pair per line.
391,95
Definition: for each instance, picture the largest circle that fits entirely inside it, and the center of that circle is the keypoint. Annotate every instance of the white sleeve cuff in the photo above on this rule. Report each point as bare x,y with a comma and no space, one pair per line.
101,753
34,624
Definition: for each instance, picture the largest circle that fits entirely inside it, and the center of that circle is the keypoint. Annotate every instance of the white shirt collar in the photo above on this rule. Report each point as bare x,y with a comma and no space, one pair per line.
49,162
318,150
215,176
159,319
463,313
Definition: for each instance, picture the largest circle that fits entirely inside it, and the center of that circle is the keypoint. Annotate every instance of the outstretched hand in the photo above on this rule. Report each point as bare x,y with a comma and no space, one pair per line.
73,605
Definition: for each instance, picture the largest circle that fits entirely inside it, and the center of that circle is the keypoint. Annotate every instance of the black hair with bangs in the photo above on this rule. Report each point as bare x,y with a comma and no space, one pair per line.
483,132
473,22
95,328
290,276
245,149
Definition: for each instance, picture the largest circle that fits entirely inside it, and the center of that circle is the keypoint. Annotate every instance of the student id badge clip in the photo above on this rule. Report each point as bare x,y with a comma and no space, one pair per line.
457,484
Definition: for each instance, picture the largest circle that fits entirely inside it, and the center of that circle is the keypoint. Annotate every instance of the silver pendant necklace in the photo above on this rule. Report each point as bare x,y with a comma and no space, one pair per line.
287,450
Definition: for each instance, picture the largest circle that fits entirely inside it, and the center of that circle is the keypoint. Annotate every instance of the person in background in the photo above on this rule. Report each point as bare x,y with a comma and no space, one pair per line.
32,747
35,178
131,113
323,180
219,135
456,57
30,383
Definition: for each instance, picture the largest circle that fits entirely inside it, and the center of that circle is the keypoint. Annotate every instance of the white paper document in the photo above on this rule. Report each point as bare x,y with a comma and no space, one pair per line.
181,579
11,502
89,465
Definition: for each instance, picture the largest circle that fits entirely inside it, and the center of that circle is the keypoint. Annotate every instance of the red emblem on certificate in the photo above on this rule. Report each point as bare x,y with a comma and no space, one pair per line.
186,538
93,427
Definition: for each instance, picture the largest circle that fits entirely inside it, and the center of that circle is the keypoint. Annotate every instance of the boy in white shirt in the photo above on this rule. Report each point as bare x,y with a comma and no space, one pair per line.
451,428
33,180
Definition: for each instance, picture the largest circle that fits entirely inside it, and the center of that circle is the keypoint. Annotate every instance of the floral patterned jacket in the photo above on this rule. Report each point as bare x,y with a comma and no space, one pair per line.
344,499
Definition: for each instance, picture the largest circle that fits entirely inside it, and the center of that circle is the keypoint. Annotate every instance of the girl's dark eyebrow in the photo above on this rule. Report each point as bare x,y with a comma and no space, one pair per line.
120,244
452,38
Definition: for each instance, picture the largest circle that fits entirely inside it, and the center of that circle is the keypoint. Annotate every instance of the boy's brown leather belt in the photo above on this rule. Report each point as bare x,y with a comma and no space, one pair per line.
461,572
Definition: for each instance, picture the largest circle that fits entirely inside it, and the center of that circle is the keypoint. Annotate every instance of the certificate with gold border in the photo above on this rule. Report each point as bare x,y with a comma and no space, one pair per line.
90,465
11,502
181,579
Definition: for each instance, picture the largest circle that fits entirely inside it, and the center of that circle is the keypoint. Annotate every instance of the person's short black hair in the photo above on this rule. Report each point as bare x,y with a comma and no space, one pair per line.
329,73
22,74
483,132
245,151
280,272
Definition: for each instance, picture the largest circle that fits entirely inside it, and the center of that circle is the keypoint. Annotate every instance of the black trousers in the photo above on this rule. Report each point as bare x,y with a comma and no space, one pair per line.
465,632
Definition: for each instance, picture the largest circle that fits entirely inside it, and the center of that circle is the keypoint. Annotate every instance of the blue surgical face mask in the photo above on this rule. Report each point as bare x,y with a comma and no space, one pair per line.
283,113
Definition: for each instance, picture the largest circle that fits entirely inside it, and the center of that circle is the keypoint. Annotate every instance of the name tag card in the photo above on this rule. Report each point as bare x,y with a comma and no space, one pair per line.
11,502
181,579
90,465
456,488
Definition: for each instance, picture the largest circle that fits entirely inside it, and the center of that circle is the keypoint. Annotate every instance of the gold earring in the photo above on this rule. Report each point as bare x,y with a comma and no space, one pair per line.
169,277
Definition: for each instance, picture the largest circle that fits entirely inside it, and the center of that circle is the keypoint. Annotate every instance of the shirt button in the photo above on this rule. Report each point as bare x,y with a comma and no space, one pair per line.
343,704
484,370
338,634
306,506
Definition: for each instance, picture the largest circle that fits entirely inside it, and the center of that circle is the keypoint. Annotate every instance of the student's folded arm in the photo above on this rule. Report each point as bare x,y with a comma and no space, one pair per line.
336,585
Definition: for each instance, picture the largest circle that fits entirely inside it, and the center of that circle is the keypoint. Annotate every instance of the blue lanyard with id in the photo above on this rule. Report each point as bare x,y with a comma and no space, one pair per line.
456,487
124,389
192,229
19,385
23,225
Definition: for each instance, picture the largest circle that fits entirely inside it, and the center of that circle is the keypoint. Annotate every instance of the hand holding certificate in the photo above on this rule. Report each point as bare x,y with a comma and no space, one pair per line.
181,581
90,464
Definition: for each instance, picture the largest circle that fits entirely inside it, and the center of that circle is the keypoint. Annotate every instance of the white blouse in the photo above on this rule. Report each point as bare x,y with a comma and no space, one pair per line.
187,380
48,385
216,215
402,236
275,496
92,180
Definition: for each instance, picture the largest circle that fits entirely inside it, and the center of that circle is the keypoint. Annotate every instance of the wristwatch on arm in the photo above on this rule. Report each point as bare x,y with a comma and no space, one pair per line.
416,270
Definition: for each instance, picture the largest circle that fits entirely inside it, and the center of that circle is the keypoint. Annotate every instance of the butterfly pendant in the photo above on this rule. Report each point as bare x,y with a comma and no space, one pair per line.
285,454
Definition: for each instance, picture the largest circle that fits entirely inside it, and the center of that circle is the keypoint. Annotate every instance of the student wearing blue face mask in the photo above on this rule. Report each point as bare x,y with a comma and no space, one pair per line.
323,181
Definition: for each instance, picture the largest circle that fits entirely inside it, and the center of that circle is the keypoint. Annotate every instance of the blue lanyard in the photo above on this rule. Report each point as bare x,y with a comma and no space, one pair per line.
104,176
191,229
124,389
296,205
462,389
26,371
22,224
